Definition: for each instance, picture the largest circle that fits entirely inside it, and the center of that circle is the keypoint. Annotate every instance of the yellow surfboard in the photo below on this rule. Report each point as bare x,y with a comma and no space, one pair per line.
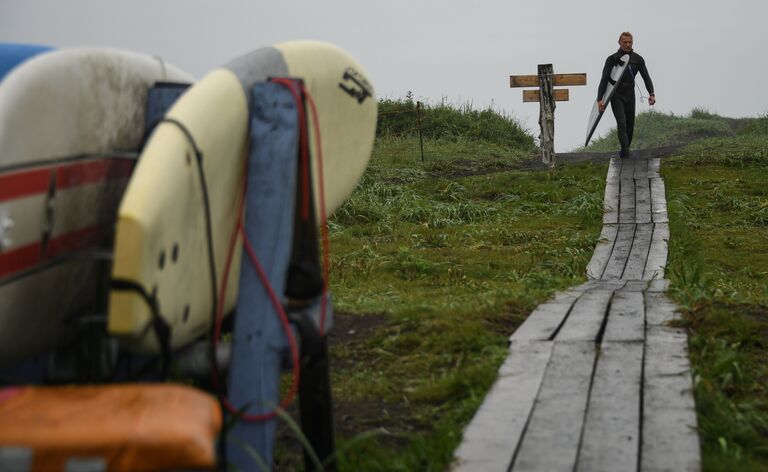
161,239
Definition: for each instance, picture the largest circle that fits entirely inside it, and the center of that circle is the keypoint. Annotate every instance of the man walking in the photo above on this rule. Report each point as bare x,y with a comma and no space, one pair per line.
623,100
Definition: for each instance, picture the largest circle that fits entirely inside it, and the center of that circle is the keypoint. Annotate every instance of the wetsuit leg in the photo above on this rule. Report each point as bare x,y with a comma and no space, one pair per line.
629,110
619,108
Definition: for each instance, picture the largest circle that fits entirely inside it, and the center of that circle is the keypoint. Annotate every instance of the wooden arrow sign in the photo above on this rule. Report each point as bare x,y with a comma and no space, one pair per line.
560,95
558,80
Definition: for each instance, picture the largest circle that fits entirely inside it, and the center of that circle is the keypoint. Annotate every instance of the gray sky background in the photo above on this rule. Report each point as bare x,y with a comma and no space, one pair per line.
706,53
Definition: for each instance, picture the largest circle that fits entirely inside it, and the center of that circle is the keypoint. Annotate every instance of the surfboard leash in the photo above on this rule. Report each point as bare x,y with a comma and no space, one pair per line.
239,230
325,238
208,226
251,253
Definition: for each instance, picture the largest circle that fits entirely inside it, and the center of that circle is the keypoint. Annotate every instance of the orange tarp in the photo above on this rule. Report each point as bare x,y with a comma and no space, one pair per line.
136,427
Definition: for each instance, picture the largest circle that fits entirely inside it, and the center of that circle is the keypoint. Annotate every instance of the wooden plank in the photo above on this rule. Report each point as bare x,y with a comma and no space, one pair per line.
626,318
620,253
611,199
609,284
491,438
558,80
570,79
658,201
586,286
657,254
669,436
659,310
627,169
543,322
571,294
658,285
552,438
586,317
603,250
614,169
594,284
641,168
635,286
568,296
611,203
561,95
627,200
638,255
643,200
653,168
612,429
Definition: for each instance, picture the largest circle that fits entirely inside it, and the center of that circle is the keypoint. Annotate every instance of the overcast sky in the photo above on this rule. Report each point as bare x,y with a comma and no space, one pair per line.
703,53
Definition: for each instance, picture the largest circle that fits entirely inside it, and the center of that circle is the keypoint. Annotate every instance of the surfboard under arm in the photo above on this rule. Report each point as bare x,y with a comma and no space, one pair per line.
596,114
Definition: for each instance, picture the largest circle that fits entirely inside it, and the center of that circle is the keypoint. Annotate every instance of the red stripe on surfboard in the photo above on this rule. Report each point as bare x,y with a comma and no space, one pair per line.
28,257
84,173
76,240
36,181
20,259
24,183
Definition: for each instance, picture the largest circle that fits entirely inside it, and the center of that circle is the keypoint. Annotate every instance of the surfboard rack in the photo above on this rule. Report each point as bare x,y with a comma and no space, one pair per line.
280,220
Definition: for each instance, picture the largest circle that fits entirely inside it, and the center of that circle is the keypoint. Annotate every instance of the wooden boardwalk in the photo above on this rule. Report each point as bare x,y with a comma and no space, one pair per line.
597,379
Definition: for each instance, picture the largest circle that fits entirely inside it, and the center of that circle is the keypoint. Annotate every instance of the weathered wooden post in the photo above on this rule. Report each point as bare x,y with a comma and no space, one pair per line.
547,114
547,95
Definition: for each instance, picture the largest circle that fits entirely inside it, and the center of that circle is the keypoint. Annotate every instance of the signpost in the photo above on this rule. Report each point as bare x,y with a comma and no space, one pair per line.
547,95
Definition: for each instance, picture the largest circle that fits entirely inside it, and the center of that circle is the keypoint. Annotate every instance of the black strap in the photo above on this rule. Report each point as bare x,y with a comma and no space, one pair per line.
157,323
214,284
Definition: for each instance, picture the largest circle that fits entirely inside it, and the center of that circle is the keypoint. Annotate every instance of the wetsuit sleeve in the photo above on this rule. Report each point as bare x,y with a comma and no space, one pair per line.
604,78
646,77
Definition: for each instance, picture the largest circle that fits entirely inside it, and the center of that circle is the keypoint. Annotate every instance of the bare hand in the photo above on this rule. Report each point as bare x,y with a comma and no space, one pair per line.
600,106
652,100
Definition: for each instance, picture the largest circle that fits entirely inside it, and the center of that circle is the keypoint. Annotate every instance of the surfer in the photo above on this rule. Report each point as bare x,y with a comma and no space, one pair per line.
623,100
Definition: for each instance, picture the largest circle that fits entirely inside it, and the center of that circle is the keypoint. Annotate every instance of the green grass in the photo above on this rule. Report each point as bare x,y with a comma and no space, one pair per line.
718,205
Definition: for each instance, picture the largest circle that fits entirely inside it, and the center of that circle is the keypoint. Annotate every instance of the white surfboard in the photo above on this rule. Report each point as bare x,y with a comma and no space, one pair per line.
596,114
161,236
71,123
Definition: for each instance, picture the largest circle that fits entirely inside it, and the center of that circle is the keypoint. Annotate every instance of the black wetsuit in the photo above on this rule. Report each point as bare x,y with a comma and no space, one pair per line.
623,100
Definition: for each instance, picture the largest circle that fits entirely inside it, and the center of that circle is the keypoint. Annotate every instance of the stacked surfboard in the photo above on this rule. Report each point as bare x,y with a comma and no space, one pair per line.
161,242
71,124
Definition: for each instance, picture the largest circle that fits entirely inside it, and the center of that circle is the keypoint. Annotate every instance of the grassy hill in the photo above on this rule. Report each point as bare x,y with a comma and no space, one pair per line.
655,129
436,262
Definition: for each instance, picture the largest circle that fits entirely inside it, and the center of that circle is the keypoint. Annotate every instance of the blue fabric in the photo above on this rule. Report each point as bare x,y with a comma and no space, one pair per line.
160,99
12,55
259,342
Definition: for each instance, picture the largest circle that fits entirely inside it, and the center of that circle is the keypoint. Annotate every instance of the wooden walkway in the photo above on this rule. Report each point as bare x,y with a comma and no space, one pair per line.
596,378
